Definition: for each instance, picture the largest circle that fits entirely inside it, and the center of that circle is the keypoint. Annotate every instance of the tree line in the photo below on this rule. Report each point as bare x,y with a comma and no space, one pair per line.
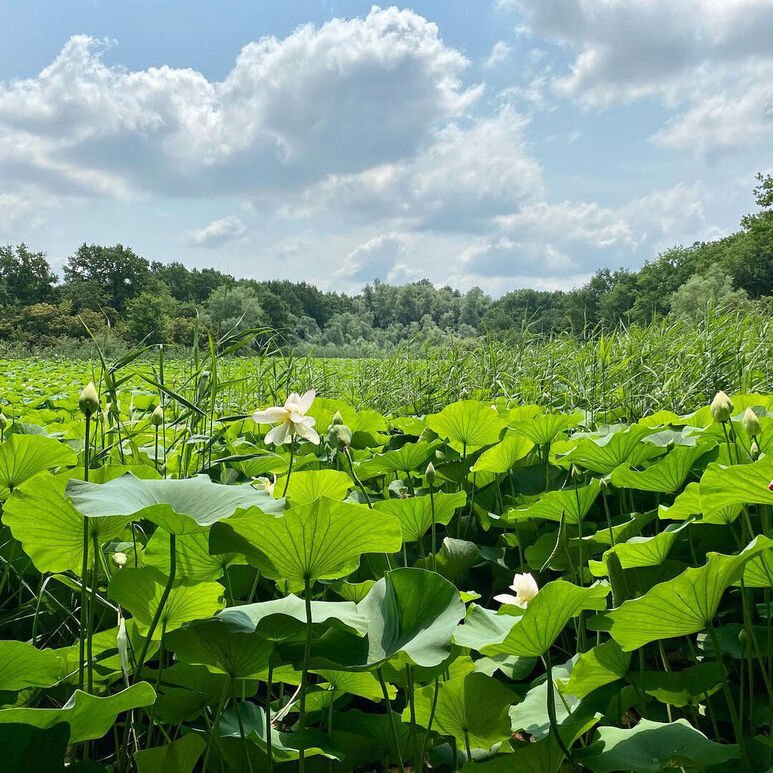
111,288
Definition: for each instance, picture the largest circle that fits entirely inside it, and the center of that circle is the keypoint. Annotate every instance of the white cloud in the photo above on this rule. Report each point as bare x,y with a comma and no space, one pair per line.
218,233
379,258
552,241
340,98
500,52
465,176
709,61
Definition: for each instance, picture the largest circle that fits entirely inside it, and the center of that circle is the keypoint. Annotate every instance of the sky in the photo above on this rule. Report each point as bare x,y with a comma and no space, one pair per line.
501,143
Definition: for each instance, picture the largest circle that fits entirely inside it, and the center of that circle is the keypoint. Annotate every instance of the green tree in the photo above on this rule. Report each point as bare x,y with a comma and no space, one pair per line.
25,277
117,270
714,287
148,316
234,308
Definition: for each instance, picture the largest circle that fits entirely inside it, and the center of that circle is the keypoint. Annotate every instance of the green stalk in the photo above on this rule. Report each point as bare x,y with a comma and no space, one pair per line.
242,735
552,712
391,715
305,669
84,568
290,466
269,748
738,731
429,724
160,608
215,724
434,529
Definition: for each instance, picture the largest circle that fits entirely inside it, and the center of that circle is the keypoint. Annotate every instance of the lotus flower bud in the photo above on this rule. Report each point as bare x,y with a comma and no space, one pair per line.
721,407
575,472
751,423
754,450
157,417
339,436
119,559
3,420
89,400
440,455
430,474
337,419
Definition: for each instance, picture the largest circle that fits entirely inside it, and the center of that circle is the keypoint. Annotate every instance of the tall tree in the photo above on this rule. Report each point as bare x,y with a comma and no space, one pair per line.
117,270
25,277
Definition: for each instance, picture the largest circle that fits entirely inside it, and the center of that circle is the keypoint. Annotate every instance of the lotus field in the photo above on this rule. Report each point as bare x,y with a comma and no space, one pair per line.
194,578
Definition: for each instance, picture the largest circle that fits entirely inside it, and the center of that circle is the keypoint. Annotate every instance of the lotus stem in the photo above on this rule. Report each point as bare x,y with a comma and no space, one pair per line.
161,604
551,706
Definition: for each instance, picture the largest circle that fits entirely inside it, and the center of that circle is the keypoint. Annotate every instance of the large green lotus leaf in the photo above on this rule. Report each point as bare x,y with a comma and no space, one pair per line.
321,540
602,455
50,528
545,617
690,503
361,683
680,688
352,591
185,691
681,606
285,618
665,475
307,485
415,513
467,424
414,612
483,627
545,428
223,646
179,756
639,551
366,738
89,716
23,456
741,484
412,456
575,503
530,715
284,746
474,706
454,558
651,747
501,457
140,591
179,506
758,573
601,665
28,748
194,561
22,666
543,756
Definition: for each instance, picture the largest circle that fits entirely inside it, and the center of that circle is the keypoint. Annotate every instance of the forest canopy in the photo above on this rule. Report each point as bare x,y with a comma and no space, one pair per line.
140,299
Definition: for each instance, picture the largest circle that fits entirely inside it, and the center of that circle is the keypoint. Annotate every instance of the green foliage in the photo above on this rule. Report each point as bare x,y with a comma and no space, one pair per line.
346,614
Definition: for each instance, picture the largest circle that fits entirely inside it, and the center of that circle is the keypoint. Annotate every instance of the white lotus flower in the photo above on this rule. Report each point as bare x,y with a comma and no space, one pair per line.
525,587
291,420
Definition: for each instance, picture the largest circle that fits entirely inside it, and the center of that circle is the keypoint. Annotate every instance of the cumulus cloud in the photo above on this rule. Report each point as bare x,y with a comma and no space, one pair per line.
379,258
566,240
466,175
339,98
218,233
709,61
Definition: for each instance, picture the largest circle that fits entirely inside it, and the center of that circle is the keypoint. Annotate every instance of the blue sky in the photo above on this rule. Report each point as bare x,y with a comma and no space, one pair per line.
502,144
